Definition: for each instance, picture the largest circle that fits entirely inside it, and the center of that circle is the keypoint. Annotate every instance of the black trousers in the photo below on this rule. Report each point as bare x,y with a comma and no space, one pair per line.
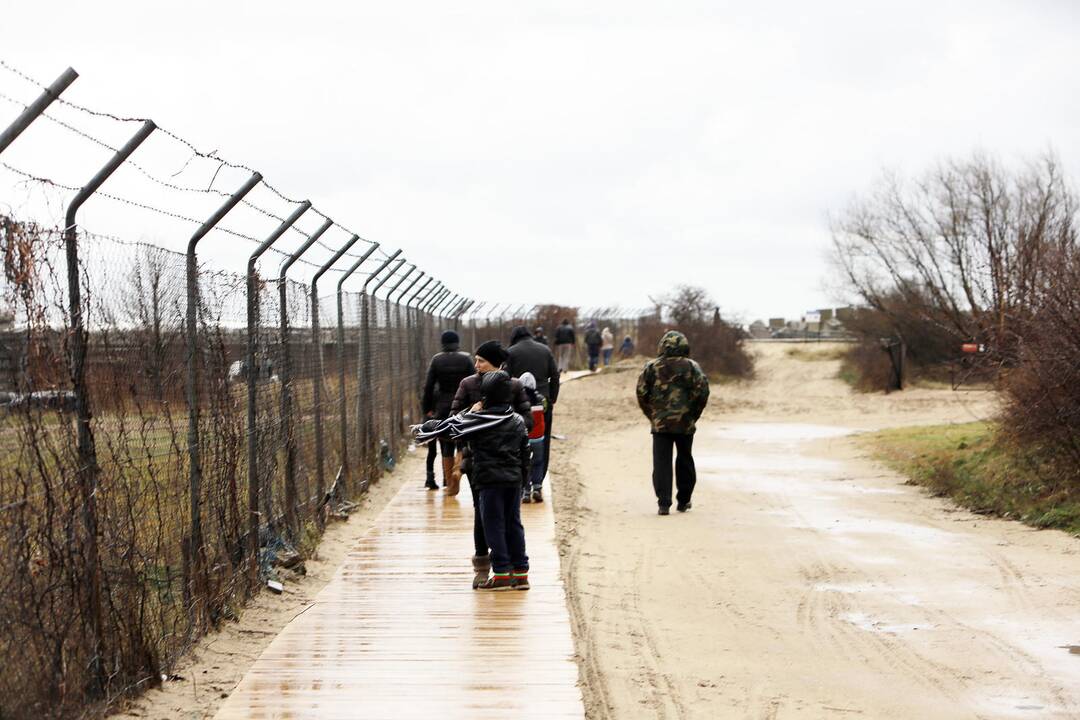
547,437
447,449
480,544
685,473
501,509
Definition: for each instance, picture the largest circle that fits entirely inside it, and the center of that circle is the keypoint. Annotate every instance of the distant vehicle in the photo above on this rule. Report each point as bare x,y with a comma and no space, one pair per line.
238,370
62,400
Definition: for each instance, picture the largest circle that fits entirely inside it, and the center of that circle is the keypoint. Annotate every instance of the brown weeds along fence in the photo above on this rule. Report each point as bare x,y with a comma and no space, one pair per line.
100,598
171,425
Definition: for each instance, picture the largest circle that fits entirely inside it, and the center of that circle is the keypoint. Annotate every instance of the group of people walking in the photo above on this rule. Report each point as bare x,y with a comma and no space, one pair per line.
490,415
599,344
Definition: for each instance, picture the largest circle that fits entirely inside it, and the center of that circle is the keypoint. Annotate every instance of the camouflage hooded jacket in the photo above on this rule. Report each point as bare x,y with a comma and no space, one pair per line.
672,390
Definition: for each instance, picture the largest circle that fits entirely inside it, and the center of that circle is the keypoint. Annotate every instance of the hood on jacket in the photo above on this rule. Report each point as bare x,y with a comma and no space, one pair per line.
673,344
518,334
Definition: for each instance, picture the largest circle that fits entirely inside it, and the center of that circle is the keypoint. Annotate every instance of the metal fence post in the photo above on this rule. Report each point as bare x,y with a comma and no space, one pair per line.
417,325
364,421
411,340
343,471
194,457
389,343
320,372
87,470
399,343
32,111
288,423
252,377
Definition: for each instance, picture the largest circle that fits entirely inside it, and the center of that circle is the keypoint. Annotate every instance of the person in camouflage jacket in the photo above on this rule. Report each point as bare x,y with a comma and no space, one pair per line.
672,392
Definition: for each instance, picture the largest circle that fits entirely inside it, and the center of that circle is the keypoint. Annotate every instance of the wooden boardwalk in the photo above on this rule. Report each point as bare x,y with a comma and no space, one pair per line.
399,633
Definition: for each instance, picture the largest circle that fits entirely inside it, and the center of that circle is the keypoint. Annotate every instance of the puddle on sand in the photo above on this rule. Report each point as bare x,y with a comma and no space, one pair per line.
780,433
865,622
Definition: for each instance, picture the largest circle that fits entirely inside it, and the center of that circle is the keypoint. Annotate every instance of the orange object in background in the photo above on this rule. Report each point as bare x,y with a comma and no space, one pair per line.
971,348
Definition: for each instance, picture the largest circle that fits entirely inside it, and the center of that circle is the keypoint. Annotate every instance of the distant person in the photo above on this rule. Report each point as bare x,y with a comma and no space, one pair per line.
594,340
565,340
490,357
627,348
672,392
607,345
526,355
539,336
500,463
445,372
532,490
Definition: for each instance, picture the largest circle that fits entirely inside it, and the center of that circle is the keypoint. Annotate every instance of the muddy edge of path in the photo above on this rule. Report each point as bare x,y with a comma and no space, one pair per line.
835,590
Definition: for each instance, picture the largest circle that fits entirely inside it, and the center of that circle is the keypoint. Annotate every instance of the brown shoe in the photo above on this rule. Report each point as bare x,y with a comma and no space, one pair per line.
520,580
497,583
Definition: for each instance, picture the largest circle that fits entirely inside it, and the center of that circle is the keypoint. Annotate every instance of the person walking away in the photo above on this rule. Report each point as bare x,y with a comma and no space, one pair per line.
532,490
539,336
526,355
500,462
565,340
627,348
607,345
672,392
593,341
445,372
490,356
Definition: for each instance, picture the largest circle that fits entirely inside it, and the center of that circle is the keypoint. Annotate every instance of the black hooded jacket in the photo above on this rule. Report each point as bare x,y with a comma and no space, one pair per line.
496,444
444,375
527,355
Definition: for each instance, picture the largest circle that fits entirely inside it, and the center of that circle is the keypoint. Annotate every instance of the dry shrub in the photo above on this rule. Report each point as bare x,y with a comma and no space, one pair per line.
1042,389
717,345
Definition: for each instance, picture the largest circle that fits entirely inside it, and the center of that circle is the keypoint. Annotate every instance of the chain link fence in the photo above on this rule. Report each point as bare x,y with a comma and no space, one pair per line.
173,433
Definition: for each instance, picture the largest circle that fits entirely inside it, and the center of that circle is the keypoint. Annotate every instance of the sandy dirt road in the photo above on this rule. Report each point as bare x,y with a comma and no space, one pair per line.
807,581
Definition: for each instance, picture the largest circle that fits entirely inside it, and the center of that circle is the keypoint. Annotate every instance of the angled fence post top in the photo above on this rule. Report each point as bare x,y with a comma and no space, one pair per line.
288,263
355,266
407,288
419,291
426,294
432,296
33,111
222,211
110,167
378,271
329,263
394,288
285,225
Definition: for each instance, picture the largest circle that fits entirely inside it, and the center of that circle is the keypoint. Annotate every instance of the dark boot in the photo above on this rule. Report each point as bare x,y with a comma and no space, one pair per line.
430,484
481,567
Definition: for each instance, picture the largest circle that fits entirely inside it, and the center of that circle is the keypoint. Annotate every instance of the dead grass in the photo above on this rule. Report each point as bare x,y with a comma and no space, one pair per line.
977,466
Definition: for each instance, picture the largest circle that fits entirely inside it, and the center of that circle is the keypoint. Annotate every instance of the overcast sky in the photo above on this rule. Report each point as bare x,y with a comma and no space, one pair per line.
582,153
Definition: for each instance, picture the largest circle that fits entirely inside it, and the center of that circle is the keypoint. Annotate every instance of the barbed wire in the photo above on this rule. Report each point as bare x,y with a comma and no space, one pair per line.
195,153
151,208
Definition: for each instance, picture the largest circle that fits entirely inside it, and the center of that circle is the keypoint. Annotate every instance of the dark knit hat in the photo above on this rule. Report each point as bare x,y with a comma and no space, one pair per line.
493,352
495,388
450,337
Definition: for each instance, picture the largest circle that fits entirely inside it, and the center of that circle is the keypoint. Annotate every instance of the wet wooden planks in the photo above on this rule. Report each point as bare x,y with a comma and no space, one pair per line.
399,633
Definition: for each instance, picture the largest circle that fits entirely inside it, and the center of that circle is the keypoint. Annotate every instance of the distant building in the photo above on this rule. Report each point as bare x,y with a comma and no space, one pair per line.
759,330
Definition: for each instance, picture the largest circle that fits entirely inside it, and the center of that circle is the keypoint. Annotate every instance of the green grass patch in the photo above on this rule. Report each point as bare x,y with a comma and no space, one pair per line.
981,470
